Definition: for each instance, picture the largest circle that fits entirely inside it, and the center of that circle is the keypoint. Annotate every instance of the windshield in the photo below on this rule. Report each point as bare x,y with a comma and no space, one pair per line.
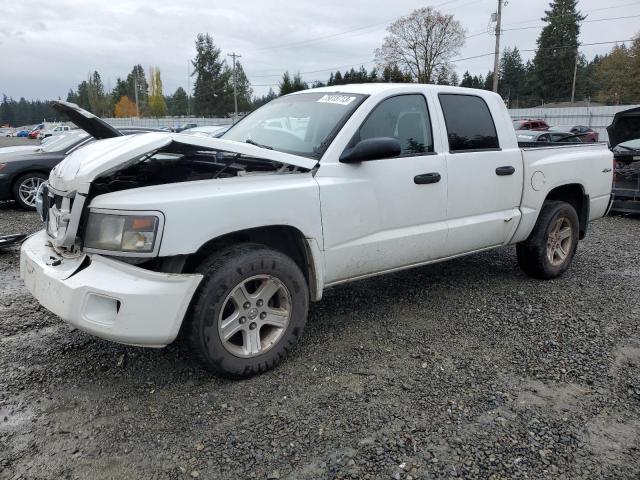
62,142
301,124
629,145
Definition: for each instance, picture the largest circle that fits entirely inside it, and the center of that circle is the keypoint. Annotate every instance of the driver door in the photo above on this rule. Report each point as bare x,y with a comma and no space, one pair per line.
385,214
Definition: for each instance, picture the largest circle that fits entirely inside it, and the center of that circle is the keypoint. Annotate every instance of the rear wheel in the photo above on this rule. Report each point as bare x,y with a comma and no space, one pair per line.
249,311
550,248
25,189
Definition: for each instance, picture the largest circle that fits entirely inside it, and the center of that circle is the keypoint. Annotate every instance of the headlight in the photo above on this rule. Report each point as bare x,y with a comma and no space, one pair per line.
132,234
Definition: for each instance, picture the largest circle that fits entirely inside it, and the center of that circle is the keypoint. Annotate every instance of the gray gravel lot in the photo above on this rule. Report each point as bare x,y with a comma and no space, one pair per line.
463,369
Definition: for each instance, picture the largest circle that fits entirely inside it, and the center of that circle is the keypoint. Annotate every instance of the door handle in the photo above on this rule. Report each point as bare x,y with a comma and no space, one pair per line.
425,178
508,170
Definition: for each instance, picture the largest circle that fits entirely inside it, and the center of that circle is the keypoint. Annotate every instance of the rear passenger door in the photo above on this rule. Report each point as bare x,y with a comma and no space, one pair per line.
484,179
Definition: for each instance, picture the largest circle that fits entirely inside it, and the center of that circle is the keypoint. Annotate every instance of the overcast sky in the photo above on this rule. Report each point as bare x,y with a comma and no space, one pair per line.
49,47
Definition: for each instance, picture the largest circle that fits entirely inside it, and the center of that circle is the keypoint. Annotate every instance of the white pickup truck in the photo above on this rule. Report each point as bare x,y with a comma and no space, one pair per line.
228,239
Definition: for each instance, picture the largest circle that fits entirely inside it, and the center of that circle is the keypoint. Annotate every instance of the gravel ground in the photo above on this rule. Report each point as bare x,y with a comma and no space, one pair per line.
463,369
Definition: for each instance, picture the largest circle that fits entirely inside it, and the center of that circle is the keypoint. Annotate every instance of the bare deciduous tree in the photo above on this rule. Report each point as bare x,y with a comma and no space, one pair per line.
422,43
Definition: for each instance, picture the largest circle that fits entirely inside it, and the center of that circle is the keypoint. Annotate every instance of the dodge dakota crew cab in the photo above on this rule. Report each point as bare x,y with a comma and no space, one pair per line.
227,240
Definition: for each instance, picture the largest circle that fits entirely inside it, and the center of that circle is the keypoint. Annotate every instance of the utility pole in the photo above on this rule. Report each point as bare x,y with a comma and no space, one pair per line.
235,88
573,86
135,92
496,55
188,87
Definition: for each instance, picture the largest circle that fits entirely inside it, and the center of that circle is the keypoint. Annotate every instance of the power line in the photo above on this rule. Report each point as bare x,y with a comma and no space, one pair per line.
483,32
610,7
567,23
358,29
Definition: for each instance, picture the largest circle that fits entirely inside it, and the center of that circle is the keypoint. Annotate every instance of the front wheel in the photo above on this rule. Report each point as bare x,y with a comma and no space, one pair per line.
550,248
249,311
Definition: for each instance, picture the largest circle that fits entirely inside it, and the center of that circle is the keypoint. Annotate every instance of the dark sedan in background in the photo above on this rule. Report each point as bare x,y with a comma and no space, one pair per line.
22,172
535,138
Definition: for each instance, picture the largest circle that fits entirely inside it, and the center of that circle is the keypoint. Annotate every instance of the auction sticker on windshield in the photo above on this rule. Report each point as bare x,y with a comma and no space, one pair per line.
338,99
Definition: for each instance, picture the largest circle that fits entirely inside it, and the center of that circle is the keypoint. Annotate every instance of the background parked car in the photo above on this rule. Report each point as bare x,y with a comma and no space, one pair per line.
22,172
21,133
214,131
52,132
184,126
530,125
586,134
33,134
6,132
532,136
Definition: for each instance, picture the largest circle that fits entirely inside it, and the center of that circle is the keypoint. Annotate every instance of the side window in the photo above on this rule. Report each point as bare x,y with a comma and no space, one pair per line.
469,123
544,138
404,118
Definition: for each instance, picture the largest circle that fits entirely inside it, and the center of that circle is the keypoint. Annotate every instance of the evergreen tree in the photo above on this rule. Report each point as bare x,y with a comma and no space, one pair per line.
258,102
290,85
119,91
211,87
83,95
243,88
557,49
179,102
488,81
512,75
454,80
467,80
137,78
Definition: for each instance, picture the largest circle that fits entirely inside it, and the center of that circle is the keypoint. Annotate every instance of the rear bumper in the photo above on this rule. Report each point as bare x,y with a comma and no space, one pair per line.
627,201
107,298
626,206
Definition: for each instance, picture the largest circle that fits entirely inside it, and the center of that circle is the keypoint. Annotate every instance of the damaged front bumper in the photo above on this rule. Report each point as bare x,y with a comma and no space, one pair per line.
107,298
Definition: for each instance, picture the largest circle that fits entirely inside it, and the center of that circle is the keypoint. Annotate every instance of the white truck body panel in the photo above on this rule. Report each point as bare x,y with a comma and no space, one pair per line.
356,219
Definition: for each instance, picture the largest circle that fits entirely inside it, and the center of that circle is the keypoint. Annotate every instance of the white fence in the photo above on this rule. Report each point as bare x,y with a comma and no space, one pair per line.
166,121
598,118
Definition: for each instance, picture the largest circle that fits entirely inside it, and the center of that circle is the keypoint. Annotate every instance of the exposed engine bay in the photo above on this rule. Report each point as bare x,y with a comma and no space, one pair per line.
183,163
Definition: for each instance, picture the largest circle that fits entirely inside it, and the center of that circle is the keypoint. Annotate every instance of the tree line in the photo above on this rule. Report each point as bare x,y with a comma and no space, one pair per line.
406,55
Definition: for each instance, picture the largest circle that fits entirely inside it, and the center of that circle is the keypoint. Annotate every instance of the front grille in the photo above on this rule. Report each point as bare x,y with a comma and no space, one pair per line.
61,215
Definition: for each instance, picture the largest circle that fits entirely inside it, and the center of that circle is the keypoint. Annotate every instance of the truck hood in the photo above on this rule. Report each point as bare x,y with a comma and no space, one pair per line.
87,121
625,126
76,172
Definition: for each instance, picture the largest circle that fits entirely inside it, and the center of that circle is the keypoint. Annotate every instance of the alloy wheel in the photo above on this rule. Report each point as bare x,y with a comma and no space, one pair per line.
28,190
254,316
560,241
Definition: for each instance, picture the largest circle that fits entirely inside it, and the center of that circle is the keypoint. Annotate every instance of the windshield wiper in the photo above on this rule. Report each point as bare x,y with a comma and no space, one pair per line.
251,142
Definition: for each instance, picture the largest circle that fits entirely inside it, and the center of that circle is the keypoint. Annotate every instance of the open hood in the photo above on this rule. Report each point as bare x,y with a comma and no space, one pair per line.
87,121
625,126
78,170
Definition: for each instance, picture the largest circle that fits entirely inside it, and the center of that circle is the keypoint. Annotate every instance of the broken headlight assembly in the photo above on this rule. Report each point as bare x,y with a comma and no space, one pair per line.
131,234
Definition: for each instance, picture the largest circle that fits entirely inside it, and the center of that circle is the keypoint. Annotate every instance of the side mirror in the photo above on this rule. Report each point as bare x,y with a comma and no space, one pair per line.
372,149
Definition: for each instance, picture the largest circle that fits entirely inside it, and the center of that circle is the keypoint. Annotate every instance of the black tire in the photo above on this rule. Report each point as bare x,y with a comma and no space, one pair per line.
533,255
223,272
31,176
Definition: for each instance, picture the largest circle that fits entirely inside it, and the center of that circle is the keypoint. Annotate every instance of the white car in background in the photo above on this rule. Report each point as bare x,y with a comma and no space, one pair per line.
208,131
6,132
55,131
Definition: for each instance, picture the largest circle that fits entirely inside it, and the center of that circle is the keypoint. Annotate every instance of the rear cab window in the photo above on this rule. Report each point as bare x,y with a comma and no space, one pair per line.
470,126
